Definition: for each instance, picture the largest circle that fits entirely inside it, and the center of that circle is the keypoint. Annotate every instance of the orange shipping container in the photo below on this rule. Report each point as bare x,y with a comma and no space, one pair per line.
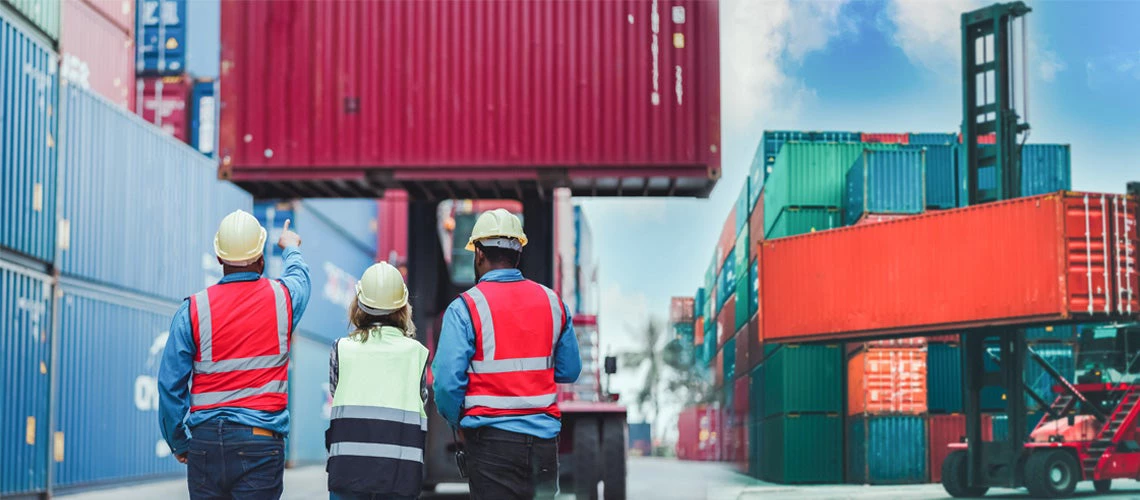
887,380
699,332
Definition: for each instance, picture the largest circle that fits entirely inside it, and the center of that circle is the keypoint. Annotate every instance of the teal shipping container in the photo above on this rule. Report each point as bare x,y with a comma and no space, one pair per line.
933,139
795,221
699,302
743,207
741,253
729,363
1060,333
753,288
803,449
1045,168
943,378
310,399
29,124
726,281
885,182
887,449
44,14
804,379
942,184
744,308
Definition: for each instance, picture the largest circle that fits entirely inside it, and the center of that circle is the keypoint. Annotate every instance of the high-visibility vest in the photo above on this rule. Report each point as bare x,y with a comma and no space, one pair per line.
378,425
517,324
242,332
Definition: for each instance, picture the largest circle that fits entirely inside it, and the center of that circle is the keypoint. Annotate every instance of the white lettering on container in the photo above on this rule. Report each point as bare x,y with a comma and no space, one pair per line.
654,48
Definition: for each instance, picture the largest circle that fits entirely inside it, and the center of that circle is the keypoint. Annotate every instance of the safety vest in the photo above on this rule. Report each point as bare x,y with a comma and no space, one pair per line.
517,324
378,425
241,330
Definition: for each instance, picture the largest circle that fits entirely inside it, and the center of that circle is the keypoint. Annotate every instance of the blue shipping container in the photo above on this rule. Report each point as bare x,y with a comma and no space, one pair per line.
204,117
726,281
309,399
110,349
729,363
139,209
355,218
941,176
885,182
1045,168
933,139
29,96
754,287
25,358
743,208
888,449
335,263
180,36
943,378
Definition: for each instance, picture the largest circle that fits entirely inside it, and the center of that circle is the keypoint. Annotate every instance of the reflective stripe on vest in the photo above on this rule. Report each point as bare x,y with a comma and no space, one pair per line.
379,413
213,398
376,450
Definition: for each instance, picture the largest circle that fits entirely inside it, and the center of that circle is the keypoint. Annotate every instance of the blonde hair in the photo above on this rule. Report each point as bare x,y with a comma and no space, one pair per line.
363,323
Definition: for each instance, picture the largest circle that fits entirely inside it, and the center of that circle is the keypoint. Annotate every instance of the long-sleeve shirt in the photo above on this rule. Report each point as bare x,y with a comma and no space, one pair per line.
178,363
453,355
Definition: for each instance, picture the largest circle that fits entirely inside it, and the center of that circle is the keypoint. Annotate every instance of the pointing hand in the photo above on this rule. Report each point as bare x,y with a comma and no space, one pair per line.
288,238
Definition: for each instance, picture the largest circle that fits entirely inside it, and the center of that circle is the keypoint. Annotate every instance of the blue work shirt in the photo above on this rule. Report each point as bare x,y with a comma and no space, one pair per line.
453,355
178,363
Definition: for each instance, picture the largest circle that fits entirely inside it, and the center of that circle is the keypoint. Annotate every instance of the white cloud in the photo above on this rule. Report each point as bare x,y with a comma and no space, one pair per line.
1048,64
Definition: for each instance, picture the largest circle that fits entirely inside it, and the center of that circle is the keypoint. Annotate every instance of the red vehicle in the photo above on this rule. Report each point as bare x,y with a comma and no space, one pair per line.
1089,433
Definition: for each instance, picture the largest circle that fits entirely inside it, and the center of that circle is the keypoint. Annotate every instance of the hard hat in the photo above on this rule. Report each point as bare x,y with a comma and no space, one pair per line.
498,228
240,239
381,290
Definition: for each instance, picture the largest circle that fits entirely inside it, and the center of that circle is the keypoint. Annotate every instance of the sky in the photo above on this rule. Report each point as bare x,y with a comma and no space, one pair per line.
881,66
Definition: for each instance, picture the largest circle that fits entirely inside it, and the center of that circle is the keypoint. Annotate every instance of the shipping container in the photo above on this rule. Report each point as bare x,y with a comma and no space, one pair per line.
944,378
756,449
803,449
1058,333
795,221
1045,168
773,140
718,370
726,283
879,278
743,208
125,188
122,415
943,187
742,364
204,118
699,332
942,430
726,321
392,227
887,182
310,400
164,101
98,54
743,299
853,347
626,93
742,254
996,427
44,14
698,429
729,364
756,226
681,309
753,288
640,439
889,138
887,449
174,38
804,379
699,303
727,241
1060,356
355,219
877,218
25,355
932,139
28,132
121,13
755,345
887,380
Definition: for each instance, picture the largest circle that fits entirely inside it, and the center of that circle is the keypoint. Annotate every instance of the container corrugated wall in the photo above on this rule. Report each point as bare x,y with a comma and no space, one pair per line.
1045,168
887,380
1062,333
122,413
933,139
942,430
804,378
29,93
97,53
803,449
25,357
796,221
944,378
309,399
43,13
888,182
942,185
887,449
134,199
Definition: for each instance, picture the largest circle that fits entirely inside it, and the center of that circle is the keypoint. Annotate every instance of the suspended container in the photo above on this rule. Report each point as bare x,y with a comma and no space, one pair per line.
44,14
887,380
28,134
803,449
25,355
804,379
885,182
310,400
796,221
887,449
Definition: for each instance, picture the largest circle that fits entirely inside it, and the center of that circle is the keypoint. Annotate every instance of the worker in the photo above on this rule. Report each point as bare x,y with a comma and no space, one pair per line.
503,346
223,384
378,425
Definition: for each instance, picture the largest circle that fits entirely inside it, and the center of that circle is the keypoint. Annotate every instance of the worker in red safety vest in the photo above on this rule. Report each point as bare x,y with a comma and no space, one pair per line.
503,347
224,380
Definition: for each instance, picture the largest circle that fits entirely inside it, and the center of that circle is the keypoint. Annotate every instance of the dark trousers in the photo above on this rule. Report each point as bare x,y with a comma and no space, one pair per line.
228,461
343,495
509,465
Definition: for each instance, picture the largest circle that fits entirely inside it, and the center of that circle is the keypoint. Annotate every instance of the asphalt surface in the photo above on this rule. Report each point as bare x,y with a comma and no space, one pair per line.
649,478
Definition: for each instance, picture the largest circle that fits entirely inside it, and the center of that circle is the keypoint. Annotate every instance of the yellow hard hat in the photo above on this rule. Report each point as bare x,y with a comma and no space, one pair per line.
498,228
240,239
381,290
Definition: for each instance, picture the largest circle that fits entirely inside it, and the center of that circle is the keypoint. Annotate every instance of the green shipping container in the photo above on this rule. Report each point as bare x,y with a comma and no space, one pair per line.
743,304
803,449
44,14
810,175
804,379
795,221
740,253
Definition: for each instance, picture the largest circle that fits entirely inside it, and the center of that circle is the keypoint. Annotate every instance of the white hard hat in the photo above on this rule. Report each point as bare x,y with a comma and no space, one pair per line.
498,228
381,290
240,240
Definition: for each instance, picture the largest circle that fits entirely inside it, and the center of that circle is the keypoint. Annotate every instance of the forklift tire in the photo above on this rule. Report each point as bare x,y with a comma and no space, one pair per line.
954,477
587,458
614,456
1051,474
1102,486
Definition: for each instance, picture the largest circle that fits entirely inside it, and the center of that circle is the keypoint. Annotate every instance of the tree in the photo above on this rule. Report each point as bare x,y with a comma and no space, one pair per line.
670,369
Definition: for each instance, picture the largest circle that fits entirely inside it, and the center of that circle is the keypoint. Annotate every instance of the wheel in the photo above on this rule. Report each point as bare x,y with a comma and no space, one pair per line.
1102,486
1051,474
586,458
954,477
614,439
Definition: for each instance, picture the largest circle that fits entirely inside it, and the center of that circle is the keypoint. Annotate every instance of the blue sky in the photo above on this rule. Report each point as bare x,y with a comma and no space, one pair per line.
888,66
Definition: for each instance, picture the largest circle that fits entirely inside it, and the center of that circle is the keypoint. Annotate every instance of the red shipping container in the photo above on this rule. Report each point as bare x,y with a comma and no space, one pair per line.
941,431
1017,261
726,321
876,218
755,345
699,332
743,350
681,310
718,370
990,138
392,229
887,380
165,102
886,138
756,227
853,347
96,53
727,240
943,339
608,97
119,12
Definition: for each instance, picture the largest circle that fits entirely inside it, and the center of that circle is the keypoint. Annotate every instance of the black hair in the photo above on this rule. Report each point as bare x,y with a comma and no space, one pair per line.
500,256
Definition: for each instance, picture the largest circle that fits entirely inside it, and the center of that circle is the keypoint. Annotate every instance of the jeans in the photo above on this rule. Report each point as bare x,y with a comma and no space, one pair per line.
509,465
228,461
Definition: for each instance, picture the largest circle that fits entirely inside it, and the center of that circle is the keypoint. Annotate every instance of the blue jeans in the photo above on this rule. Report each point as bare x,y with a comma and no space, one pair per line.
228,461
344,495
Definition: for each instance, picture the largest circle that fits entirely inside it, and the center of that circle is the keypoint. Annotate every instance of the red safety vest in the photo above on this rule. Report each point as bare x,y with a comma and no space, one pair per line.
242,332
517,324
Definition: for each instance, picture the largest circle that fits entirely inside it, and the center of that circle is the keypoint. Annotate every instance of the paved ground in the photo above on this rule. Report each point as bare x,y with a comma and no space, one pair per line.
649,478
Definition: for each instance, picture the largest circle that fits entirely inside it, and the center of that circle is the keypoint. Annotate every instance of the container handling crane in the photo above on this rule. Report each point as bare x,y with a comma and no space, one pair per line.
1089,432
